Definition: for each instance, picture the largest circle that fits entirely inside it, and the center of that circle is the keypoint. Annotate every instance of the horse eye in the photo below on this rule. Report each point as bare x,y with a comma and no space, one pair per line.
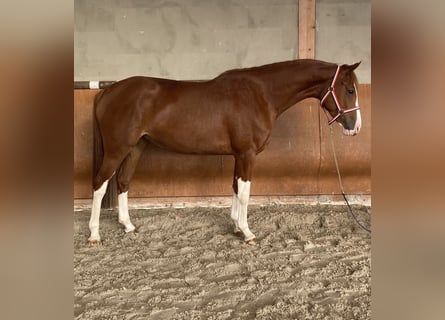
350,91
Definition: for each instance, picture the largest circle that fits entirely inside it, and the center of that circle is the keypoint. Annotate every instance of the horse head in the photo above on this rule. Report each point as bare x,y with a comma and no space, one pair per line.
341,100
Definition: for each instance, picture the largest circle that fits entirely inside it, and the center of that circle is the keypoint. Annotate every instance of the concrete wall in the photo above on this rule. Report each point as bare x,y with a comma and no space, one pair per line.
198,39
181,39
343,34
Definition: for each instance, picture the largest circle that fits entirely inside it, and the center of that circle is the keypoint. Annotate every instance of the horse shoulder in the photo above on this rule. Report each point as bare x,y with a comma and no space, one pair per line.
252,116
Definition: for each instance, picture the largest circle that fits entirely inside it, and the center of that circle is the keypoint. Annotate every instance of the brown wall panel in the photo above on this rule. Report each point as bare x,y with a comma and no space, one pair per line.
83,142
298,160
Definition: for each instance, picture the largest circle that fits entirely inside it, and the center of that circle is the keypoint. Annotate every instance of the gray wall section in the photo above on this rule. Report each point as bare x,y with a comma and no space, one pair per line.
198,39
189,39
343,34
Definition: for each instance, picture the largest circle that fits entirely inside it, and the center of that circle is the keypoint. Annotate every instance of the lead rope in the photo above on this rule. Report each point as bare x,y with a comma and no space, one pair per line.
341,184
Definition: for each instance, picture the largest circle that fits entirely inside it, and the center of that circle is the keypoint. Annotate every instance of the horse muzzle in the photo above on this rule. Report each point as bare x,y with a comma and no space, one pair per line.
357,126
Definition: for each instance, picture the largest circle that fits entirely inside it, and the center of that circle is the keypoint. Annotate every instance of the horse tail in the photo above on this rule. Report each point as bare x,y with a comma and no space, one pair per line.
98,150
110,198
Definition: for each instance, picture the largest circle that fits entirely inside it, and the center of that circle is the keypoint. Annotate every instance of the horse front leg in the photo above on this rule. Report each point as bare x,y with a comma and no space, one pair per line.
235,212
243,198
241,187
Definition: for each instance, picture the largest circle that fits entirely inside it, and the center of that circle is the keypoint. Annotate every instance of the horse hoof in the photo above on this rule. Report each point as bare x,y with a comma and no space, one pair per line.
251,242
94,243
131,229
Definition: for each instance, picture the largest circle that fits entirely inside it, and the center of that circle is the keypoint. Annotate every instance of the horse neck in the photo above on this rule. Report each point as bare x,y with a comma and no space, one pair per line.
292,82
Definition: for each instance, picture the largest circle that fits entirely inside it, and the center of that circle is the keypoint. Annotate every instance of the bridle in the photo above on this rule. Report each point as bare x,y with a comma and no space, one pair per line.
340,112
331,90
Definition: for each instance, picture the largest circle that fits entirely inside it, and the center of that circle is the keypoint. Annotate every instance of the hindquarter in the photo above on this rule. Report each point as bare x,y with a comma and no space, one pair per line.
119,111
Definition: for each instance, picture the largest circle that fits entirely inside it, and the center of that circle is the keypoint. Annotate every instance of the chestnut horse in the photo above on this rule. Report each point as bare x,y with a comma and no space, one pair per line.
232,114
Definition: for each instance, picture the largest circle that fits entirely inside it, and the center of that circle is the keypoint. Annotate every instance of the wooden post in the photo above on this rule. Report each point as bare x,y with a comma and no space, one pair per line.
306,29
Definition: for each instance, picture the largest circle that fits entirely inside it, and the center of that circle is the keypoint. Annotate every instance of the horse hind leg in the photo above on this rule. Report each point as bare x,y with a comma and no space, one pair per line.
95,214
100,183
106,171
124,176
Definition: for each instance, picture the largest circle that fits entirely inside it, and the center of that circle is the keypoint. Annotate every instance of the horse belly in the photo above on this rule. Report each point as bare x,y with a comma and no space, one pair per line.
192,137
188,118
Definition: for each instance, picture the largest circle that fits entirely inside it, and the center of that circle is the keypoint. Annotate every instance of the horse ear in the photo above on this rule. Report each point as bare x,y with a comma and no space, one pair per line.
351,67
348,69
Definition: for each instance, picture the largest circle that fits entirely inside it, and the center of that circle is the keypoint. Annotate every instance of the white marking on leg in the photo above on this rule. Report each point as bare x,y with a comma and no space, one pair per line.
235,212
124,216
95,212
243,197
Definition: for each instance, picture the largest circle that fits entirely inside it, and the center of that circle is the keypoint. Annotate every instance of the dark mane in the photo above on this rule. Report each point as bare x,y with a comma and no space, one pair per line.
276,66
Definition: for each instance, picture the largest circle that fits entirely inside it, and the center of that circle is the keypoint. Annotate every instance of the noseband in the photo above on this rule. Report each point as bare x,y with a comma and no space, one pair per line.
331,90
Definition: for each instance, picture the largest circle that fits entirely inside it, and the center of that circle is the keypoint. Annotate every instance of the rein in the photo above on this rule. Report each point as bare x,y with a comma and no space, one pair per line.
341,185
331,91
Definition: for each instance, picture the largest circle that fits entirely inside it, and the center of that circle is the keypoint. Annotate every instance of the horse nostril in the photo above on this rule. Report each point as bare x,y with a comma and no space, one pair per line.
350,124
